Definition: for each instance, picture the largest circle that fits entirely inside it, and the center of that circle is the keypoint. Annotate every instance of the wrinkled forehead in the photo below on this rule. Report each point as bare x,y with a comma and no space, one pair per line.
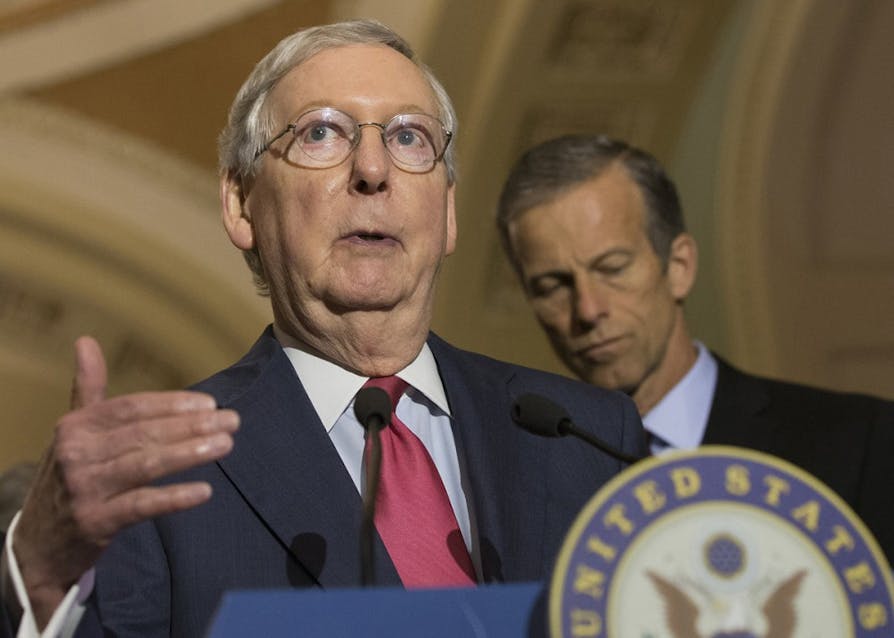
603,211
366,81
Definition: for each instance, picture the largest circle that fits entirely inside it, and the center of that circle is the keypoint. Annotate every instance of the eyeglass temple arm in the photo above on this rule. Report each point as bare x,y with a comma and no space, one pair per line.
270,142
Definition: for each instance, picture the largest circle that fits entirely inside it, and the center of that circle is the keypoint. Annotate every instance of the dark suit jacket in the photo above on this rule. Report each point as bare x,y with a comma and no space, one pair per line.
845,440
286,513
6,625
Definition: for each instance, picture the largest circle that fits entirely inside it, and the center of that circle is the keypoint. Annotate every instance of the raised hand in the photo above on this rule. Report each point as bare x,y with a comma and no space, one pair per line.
97,475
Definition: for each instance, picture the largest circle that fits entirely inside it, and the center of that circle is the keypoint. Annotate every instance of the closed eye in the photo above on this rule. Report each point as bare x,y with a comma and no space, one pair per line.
613,264
546,285
612,270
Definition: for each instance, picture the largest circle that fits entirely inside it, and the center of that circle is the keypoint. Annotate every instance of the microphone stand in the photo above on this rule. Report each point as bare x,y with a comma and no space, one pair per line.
372,407
367,527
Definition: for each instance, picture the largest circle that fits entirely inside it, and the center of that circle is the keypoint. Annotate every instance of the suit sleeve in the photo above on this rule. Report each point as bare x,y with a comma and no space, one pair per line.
132,595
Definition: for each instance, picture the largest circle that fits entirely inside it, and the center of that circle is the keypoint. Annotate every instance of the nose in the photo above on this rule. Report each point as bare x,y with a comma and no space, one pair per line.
590,303
371,164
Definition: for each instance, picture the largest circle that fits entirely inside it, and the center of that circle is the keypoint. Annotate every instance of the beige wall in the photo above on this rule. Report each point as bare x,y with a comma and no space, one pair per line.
773,117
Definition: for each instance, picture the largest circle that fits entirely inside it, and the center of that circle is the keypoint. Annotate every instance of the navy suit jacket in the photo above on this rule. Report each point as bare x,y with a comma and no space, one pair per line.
285,512
845,440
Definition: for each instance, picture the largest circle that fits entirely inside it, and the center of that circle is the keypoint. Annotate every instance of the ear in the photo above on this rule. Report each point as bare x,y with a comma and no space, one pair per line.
451,220
682,265
236,218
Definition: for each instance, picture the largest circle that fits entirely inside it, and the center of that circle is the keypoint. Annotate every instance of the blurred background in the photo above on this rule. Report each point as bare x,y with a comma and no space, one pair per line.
776,119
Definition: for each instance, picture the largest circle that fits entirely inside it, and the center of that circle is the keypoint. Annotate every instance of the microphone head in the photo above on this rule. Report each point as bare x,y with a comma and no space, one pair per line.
538,415
372,407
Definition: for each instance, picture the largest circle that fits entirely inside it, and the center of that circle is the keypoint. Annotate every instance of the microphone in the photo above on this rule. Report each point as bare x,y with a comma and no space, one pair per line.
372,407
538,415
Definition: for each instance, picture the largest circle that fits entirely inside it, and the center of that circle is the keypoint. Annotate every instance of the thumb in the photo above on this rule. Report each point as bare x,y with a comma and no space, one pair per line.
89,385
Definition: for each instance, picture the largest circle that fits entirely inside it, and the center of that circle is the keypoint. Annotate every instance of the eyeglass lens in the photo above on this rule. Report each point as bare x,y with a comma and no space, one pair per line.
325,137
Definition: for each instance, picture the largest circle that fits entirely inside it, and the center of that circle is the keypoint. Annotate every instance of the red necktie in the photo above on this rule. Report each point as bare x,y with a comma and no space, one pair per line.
413,513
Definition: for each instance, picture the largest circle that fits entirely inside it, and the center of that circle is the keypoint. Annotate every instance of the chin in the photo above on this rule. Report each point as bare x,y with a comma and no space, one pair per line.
609,379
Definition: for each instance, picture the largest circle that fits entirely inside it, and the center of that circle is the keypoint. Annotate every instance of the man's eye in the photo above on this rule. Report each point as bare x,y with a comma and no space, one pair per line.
410,137
317,133
546,286
612,269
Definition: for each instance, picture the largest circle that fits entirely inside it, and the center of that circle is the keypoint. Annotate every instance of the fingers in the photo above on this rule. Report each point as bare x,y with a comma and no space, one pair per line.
90,379
143,464
115,490
97,476
143,504
136,410
120,438
128,442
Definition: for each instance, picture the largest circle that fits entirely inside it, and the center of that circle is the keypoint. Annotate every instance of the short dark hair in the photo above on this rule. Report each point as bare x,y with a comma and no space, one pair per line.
549,169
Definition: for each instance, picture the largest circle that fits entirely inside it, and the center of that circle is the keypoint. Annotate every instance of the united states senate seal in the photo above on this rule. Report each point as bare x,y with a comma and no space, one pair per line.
719,542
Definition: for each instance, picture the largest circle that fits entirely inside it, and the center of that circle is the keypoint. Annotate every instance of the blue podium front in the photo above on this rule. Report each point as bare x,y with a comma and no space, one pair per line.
495,611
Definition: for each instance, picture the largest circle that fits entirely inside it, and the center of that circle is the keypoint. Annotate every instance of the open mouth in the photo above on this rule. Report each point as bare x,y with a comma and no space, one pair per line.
371,239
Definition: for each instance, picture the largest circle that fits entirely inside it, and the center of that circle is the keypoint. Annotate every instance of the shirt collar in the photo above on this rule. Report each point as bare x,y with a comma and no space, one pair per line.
680,418
331,388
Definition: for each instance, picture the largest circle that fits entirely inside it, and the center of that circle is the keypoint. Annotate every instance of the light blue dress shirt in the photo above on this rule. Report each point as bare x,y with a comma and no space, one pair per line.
679,420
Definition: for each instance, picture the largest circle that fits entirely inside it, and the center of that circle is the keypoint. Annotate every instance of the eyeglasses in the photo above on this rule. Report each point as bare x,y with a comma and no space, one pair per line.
323,138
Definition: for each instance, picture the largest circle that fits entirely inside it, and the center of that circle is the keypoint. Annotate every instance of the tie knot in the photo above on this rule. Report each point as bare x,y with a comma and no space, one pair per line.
393,385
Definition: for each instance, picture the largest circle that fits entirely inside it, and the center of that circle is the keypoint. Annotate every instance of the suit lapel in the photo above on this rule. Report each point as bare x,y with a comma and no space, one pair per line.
737,411
286,468
505,506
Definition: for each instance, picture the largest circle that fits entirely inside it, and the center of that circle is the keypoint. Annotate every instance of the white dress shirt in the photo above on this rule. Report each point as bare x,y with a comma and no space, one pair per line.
65,618
679,420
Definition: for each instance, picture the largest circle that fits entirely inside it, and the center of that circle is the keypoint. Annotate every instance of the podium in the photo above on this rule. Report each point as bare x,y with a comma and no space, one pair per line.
496,611
729,540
